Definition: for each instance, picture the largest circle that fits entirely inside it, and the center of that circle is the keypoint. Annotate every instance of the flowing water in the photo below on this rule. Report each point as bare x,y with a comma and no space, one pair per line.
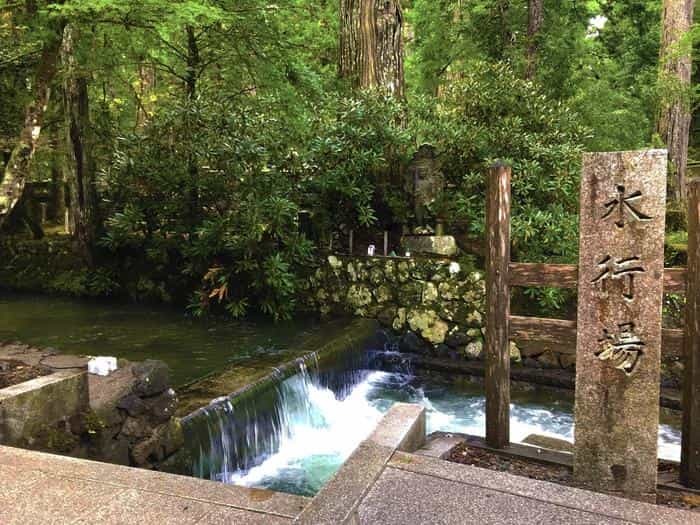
294,435
295,440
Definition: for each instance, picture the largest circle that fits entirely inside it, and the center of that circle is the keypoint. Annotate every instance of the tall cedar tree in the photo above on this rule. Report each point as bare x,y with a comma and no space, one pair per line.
371,44
673,124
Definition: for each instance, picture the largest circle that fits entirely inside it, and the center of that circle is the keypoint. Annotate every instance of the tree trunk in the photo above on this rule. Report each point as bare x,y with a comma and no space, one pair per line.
349,39
193,64
147,82
80,165
673,125
534,24
17,169
371,44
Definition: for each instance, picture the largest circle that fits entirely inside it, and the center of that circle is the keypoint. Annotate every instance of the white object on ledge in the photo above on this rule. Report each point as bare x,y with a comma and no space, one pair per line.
102,365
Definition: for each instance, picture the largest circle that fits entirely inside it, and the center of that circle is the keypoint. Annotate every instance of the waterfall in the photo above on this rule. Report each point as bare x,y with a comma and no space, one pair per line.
293,433
242,440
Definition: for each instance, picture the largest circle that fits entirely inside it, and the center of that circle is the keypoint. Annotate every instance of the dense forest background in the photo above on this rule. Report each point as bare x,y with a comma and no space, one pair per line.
185,137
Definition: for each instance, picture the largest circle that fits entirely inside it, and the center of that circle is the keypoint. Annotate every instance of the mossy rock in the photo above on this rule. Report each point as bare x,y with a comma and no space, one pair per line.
428,325
359,296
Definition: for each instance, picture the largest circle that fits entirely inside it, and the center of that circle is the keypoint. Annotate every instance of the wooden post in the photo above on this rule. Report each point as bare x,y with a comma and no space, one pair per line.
386,243
498,307
352,241
690,446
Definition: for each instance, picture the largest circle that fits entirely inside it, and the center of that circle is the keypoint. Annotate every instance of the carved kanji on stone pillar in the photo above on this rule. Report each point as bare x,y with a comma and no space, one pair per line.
620,293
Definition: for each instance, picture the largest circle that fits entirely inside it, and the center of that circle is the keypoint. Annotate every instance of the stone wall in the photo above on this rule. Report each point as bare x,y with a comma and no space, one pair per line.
435,306
135,407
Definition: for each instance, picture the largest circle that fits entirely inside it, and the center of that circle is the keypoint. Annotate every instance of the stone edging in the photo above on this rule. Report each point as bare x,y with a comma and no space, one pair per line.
33,406
403,429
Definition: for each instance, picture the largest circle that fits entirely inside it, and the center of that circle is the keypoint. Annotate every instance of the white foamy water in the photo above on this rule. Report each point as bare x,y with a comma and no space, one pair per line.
322,430
324,427
527,421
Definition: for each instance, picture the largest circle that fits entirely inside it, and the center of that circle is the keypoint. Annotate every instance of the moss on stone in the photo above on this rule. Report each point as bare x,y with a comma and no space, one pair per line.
55,439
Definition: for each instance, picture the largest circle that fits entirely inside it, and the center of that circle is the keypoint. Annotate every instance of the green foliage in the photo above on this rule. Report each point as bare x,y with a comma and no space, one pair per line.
20,50
490,114
216,122
211,189
608,75
94,424
673,310
216,204
55,438
356,141
84,283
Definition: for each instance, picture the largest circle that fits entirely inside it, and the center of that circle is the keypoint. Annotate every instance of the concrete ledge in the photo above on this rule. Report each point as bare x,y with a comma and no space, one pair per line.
147,483
402,428
603,508
28,407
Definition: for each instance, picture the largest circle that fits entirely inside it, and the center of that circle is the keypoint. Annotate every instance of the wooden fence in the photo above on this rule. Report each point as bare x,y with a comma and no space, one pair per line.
501,326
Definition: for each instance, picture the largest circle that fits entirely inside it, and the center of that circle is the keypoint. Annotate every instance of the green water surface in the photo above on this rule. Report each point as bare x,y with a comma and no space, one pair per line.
192,348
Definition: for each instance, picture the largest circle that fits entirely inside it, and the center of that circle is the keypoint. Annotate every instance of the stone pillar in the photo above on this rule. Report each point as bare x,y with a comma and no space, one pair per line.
618,348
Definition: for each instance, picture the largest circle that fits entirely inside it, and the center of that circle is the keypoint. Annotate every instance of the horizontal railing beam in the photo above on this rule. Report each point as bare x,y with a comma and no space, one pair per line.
562,334
543,275
566,276
675,280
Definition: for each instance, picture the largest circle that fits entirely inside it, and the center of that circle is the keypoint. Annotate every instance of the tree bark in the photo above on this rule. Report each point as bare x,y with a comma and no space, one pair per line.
80,165
147,82
17,169
371,44
673,125
193,66
349,38
534,25
193,63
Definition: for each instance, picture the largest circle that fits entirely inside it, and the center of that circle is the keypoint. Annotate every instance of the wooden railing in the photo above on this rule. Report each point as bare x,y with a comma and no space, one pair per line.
563,332
501,326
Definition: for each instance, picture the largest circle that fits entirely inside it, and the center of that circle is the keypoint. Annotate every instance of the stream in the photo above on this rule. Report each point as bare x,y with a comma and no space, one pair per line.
192,348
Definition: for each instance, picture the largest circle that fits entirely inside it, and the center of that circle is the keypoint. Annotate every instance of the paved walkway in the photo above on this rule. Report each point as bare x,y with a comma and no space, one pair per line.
419,489
403,489
44,489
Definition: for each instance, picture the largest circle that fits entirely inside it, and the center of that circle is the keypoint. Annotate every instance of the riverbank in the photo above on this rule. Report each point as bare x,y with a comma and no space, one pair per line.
434,305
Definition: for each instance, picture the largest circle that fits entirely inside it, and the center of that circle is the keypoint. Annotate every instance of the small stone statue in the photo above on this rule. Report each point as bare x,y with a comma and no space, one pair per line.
425,181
